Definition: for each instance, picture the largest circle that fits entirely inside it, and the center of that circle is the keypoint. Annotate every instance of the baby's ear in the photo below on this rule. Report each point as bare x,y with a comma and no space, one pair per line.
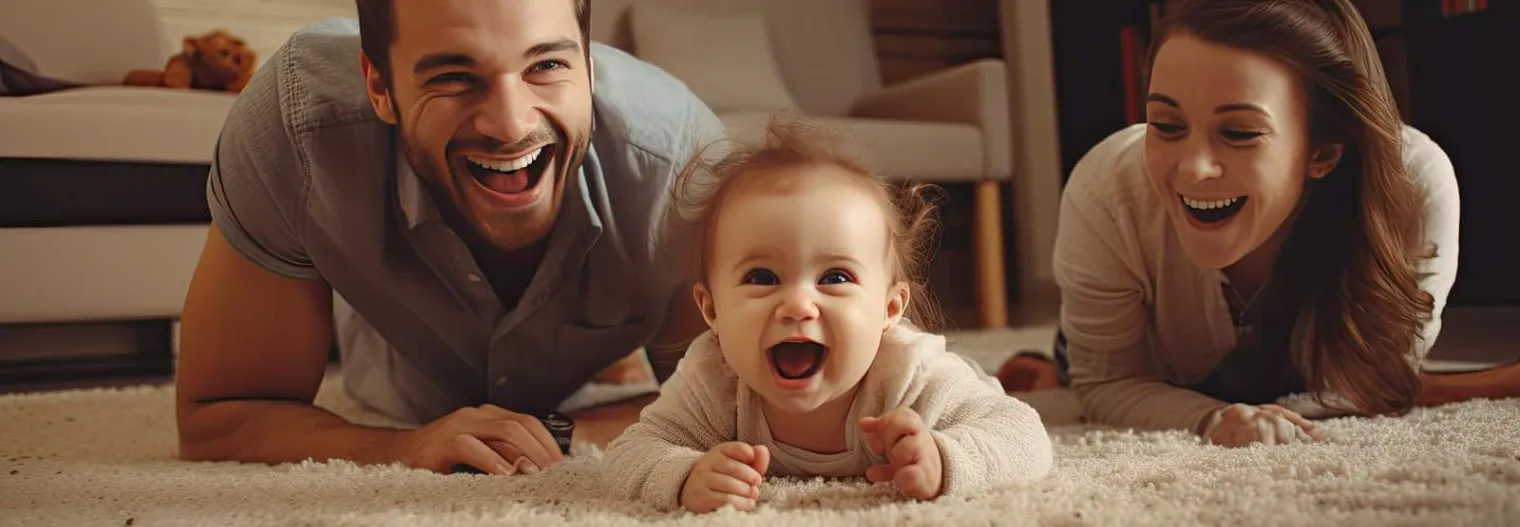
703,297
897,304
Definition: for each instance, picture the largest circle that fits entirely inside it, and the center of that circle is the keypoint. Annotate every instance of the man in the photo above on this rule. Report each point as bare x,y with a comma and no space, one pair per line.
491,211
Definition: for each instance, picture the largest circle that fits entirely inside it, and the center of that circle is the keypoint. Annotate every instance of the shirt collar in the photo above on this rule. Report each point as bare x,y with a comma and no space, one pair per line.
416,204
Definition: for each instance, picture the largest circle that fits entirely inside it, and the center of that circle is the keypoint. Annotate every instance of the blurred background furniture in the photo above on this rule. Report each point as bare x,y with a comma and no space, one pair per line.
102,193
756,57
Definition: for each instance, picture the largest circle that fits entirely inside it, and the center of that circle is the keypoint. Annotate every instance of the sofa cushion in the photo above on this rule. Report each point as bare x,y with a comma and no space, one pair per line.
97,272
114,123
725,58
916,150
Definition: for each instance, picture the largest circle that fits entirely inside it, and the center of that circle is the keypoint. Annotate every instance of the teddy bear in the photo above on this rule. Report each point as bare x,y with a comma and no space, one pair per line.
213,61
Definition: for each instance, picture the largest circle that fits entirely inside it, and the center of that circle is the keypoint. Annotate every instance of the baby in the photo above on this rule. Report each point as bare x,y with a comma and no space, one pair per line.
811,366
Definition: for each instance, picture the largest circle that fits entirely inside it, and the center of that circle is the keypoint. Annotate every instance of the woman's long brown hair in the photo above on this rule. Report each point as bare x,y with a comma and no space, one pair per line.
1344,301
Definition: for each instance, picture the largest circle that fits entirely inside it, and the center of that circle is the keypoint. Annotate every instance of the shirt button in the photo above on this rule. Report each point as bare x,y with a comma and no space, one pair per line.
474,278
501,380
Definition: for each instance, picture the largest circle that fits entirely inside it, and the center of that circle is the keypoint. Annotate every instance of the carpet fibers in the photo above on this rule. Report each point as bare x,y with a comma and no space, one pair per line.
106,457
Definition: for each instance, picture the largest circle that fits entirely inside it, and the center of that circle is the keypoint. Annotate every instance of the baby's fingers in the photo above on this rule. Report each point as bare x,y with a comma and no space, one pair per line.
880,473
913,481
728,486
871,426
708,500
733,468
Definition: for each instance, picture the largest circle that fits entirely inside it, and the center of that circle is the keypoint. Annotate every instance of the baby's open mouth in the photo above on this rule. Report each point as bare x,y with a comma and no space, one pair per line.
513,176
797,360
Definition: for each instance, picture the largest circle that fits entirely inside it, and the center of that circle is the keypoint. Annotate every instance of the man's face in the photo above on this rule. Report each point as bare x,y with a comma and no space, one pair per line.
493,100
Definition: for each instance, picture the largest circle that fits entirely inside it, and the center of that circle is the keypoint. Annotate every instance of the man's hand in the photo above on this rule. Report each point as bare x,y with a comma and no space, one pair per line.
904,439
729,474
489,438
1242,424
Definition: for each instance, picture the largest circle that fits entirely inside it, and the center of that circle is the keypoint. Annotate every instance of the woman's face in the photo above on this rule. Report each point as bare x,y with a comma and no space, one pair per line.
1227,146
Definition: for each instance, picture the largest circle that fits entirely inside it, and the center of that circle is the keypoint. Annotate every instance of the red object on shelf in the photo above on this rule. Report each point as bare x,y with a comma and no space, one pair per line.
1128,43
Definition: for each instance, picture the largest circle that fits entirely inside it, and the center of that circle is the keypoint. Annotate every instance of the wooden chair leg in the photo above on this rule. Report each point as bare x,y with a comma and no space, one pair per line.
987,238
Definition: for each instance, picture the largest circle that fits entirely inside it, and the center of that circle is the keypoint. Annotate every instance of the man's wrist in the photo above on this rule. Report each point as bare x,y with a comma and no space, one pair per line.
398,447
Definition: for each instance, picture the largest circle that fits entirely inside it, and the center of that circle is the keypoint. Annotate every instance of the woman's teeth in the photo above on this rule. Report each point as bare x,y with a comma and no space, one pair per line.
1209,204
511,165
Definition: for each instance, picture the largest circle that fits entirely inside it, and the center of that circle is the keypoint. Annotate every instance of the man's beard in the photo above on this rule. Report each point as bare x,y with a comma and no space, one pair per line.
501,230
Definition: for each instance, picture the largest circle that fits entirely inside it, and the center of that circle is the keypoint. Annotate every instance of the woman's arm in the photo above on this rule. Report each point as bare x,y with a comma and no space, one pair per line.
1103,310
1431,171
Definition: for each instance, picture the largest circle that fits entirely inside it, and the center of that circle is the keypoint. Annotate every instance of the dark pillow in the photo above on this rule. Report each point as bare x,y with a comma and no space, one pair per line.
18,74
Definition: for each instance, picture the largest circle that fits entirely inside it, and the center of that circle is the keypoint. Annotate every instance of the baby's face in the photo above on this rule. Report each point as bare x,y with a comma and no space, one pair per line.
798,287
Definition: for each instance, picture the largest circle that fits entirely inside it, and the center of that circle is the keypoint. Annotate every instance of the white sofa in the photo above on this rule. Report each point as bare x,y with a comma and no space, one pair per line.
819,58
106,184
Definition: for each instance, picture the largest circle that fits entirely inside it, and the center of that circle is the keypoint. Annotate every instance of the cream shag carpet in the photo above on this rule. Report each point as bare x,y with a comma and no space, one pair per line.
106,457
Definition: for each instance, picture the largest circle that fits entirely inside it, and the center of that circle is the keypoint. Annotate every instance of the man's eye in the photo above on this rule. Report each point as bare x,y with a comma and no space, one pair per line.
452,78
550,65
761,277
835,277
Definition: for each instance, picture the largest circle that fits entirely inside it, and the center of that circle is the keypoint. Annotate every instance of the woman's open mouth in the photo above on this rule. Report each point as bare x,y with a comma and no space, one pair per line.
1212,210
798,360
512,176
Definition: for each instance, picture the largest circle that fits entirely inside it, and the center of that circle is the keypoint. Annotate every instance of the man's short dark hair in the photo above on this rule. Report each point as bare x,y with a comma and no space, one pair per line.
377,25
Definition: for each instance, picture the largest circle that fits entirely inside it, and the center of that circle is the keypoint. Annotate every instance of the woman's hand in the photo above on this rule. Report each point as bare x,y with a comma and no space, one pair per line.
1242,424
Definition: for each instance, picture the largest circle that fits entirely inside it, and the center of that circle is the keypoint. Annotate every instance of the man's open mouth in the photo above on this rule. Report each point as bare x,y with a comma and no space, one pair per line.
512,176
1213,210
797,360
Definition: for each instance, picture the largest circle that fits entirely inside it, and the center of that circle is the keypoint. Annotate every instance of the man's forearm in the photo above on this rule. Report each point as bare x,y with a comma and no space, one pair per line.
282,432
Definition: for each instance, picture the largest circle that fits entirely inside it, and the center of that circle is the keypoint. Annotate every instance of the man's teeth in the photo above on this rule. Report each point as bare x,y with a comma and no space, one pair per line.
507,165
1209,204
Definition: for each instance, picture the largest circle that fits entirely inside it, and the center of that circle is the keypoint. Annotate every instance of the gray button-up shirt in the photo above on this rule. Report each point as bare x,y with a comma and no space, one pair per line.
309,184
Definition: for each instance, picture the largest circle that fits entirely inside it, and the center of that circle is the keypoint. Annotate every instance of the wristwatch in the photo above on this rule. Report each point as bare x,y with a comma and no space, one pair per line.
561,427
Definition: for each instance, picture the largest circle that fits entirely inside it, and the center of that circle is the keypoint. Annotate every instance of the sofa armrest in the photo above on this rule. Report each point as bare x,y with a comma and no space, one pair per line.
975,93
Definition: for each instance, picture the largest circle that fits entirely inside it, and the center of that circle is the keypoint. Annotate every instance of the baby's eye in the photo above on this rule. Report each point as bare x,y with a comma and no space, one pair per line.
761,277
835,277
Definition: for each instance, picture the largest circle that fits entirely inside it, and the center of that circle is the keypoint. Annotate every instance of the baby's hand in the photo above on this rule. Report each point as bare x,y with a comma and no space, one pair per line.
904,439
729,474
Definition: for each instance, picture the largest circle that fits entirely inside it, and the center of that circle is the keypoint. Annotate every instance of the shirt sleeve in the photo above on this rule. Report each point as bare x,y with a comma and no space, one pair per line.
985,437
694,412
1104,315
1431,171
257,185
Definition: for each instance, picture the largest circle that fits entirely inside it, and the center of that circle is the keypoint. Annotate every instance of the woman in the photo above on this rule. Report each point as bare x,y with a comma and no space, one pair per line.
1272,229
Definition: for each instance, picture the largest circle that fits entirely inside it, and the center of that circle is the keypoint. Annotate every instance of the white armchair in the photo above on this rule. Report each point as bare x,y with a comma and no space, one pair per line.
759,56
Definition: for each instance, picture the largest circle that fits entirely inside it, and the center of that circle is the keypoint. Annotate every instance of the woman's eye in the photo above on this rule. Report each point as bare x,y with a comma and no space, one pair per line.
1166,129
1239,135
761,277
835,277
